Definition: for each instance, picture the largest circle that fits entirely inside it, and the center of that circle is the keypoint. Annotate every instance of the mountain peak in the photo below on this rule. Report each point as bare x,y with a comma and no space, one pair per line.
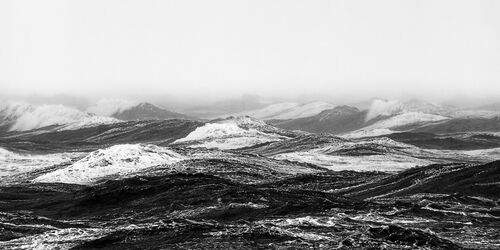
148,111
132,111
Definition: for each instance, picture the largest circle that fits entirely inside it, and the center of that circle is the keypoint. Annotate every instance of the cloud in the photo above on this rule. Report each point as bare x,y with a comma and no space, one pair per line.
108,107
383,108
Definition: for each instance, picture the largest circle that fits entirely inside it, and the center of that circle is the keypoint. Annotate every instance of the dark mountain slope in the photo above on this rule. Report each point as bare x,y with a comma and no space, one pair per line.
299,143
148,111
338,120
492,107
201,211
458,125
461,141
160,131
463,179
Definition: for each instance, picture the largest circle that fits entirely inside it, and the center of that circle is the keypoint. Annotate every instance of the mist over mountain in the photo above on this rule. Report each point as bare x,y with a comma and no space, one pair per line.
491,107
250,124
126,173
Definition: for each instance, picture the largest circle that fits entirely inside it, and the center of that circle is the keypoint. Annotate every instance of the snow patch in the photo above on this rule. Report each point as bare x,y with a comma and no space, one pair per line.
66,238
218,130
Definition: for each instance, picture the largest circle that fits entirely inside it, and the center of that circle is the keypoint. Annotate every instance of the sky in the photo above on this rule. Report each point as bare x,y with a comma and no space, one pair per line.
200,49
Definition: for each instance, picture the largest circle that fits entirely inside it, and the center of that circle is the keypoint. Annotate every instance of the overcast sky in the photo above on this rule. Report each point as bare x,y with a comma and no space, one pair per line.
220,49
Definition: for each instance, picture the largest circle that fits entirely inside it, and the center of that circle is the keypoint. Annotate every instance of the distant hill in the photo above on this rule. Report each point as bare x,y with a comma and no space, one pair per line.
134,111
459,179
18,116
148,111
288,110
386,117
337,120
491,107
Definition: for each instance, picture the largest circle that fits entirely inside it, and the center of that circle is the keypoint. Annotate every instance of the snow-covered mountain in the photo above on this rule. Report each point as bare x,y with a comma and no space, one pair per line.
232,133
133,111
23,117
288,110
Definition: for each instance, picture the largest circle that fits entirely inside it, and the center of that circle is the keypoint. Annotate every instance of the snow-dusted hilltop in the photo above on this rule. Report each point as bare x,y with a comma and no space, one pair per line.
288,110
23,117
118,160
232,133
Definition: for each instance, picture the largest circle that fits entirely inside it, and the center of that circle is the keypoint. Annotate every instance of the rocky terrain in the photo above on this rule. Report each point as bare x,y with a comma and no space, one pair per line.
242,183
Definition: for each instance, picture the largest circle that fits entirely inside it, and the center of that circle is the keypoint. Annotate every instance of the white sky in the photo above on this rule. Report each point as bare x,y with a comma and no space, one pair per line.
192,49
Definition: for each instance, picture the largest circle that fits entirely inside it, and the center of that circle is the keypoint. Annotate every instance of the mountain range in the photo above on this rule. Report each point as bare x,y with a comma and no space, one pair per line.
18,116
382,118
394,176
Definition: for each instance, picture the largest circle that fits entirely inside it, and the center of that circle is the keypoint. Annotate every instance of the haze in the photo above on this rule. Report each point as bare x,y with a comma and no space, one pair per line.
209,50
